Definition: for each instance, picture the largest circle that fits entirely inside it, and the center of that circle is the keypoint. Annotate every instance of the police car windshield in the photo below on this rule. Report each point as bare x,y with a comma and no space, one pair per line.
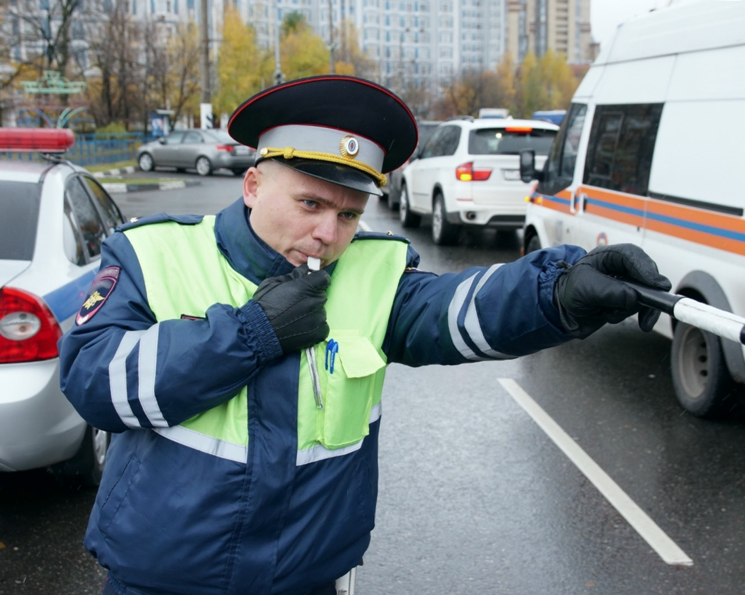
498,141
19,213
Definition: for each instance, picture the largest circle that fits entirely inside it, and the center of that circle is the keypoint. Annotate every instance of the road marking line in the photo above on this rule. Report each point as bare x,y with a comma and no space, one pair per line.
665,547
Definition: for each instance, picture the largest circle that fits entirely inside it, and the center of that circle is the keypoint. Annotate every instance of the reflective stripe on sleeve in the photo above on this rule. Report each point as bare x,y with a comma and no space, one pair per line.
118,379
471,323
459,298
471,326
204,443
320,452
147,362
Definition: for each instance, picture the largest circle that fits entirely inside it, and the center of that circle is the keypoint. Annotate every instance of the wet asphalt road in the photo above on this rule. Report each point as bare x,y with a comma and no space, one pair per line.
474,496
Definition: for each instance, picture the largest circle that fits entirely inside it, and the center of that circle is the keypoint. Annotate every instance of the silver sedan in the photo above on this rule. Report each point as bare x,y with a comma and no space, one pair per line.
203,150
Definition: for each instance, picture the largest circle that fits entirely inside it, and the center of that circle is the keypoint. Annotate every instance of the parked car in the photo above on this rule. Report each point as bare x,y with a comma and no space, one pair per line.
468,173
203,150
53,218
392,188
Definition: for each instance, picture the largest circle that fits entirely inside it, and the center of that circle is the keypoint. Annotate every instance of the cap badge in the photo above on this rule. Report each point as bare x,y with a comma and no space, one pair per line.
349,147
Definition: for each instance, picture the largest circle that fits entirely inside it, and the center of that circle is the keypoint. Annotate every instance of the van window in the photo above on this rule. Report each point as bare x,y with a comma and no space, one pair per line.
619,154
559,169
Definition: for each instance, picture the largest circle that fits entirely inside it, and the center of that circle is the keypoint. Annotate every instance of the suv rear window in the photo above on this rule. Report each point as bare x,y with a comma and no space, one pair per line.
501,141
19,212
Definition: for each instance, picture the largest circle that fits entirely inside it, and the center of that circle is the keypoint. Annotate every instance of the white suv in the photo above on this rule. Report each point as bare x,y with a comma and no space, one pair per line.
468,173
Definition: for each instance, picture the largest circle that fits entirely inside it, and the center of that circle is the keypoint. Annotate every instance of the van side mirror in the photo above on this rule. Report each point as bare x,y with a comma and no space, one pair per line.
527,166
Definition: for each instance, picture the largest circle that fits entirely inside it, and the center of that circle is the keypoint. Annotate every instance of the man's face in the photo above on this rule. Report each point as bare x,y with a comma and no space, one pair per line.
299,215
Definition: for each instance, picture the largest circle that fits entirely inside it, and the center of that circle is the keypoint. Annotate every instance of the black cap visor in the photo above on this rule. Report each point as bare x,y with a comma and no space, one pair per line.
341,175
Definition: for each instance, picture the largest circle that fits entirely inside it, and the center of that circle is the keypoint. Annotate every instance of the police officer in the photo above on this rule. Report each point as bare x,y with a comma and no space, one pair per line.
244,388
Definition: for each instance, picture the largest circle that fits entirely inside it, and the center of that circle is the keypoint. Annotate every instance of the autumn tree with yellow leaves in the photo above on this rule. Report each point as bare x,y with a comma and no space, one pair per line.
241,65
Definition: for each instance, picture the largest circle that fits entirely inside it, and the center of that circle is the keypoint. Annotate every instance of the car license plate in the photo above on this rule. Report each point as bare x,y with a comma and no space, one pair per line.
241,150
511,174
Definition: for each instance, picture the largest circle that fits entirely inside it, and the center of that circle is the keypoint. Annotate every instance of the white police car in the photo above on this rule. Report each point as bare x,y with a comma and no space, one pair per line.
53,218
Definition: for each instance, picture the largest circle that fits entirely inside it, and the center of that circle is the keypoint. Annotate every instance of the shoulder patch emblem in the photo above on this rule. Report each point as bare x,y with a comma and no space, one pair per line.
101,288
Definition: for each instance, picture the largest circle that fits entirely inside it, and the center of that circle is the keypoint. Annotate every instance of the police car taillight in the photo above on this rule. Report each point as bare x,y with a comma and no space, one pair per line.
28,329
43,140
468,173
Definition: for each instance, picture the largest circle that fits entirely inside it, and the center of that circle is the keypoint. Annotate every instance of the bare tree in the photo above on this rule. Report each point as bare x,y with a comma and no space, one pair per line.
115,47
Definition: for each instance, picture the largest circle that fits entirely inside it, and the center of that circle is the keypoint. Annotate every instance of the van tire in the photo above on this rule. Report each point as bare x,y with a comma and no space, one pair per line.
702,383
444,233
407,218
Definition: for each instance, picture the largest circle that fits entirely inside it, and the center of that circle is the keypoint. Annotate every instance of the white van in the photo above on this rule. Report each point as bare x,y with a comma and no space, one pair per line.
650,153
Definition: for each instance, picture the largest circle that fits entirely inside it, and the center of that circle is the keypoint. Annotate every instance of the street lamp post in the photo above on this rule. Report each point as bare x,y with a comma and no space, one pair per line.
279,78
205,108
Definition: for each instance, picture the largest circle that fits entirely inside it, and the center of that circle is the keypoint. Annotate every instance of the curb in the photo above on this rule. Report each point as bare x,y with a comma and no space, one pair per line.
121,188
116,172
136,187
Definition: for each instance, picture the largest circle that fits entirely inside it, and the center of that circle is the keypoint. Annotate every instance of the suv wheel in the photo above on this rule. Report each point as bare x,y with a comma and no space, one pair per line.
407,218
203,165
146,162
444,233
534,244
701,380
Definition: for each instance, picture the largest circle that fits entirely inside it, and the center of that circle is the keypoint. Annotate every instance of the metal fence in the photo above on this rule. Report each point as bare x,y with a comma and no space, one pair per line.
96,149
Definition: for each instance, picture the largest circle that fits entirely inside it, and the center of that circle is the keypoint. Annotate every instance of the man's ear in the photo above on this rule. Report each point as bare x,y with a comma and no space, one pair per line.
251,186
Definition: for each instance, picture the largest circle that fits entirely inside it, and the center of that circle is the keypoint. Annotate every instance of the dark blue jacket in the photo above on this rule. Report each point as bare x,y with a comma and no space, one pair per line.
168,519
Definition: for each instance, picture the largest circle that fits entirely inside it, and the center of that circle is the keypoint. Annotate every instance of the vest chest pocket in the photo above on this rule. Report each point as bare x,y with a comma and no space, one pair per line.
350,373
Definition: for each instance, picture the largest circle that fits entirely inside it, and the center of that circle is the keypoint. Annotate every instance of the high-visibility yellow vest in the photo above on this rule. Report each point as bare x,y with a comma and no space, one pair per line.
360,299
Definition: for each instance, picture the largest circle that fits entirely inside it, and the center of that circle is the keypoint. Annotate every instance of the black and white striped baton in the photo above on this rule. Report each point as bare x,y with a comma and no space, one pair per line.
719,322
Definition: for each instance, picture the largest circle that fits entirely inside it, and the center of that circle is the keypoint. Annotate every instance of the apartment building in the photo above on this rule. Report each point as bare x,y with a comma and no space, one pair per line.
412,42
561,25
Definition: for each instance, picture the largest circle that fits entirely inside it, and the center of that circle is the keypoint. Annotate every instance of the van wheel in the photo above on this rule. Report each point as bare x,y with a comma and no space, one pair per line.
85,468
701,380
444,233
534,244
407,218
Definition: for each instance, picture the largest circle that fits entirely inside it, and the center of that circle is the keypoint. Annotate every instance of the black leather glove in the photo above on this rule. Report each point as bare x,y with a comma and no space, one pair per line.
589,294
294,305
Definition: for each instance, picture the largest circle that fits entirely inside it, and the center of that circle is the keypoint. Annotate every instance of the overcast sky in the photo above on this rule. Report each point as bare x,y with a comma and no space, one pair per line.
605,15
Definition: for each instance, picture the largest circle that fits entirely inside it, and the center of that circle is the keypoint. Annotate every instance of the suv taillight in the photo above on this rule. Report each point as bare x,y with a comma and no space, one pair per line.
28,329
467,173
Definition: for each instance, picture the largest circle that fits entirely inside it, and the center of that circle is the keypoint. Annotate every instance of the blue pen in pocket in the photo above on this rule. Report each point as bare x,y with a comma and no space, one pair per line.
332,348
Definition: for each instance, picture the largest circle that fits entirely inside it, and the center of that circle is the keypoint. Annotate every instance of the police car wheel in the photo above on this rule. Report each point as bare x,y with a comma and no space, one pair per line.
702,383
203,165
85,468
407,218
146,162
444,233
